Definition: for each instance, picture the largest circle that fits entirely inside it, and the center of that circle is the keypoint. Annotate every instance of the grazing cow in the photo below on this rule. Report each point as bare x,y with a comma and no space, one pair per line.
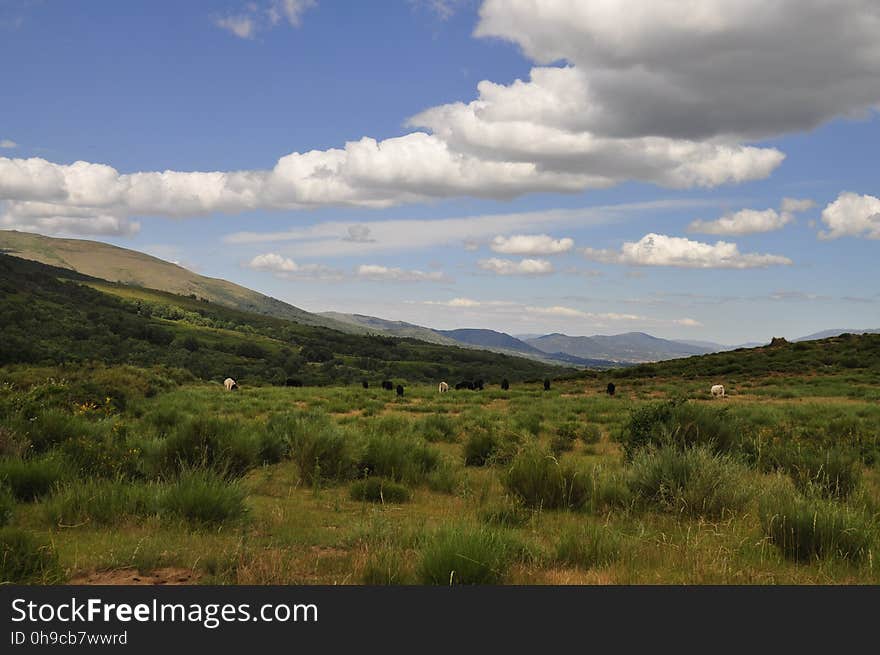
230,384
505,385
444,387
478,385
365,384
461,385
718,391
547,384
388,385
292,382
399,390
610,389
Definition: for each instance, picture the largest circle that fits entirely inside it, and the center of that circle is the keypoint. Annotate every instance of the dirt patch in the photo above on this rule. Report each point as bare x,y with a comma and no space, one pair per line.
165,576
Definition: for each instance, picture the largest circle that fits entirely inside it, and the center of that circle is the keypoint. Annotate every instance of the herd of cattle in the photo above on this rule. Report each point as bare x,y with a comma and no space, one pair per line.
717,390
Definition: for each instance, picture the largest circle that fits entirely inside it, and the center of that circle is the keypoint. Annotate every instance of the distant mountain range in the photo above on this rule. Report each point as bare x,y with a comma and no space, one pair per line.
130,267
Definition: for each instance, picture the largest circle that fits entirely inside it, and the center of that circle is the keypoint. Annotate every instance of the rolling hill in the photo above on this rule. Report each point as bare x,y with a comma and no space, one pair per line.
631,347
133,268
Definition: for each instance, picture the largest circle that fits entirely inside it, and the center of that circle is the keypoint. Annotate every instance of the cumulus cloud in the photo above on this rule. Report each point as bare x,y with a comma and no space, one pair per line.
852,215
539,244
662,250
510,267
657,91
745,221
256,17
286,267
752,221
359,234
377,273
8,143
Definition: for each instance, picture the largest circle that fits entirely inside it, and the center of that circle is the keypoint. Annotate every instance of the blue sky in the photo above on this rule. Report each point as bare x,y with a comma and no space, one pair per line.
617,137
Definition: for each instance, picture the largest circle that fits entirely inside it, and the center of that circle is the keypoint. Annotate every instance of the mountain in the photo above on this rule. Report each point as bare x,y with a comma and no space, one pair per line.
132,268
825,334
394,328
54,316
490,338
631,347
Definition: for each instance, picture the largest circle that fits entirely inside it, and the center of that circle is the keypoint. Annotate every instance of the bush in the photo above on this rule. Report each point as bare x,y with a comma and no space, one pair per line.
437,427
28,479
103,502
479,447
831,473
458,556
815,528
695,481
680,424
377,490
320,448
203,498
53,427
25,559
399,457
538,480
446,478
573,430
208,442
588,547
7,506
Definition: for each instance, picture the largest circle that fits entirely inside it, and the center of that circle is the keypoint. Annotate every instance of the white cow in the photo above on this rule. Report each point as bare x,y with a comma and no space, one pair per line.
718,391
230,384
444,387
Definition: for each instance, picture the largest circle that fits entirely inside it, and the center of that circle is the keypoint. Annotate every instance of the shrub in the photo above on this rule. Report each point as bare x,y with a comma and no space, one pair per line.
322,450
53,427
680,424
377,490
695,481
538,480
401,458
831,473
573,430
209,442
466,556
28,479
446,478
529,422
815,528
25,559
479,447
589,546
7,506
203,498
561,443
104,502
437,427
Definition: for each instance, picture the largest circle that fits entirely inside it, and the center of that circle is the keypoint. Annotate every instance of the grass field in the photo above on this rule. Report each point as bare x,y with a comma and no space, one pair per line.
181,482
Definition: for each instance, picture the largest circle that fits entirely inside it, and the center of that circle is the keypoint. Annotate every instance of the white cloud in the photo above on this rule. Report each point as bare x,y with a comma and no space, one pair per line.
852,215
662,250
745,221
378,273
659,91
510,267
257,17
333,238
538,244
696,70
8,143
796,205
752,221
286,267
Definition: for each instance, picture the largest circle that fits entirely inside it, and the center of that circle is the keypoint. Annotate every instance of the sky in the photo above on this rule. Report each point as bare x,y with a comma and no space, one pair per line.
700,171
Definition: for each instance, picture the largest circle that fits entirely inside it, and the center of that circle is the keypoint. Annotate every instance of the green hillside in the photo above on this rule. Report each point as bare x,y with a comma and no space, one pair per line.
51,316
101,260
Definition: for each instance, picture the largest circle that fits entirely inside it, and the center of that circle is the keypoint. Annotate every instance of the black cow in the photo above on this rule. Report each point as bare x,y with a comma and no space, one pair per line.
547,384
461,385
478,385
505,385
292,382
610,389
399,390
388,385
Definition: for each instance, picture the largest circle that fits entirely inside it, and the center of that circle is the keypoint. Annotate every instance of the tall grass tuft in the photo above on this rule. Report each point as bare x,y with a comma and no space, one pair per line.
321,449
209,442
377,490
695,481
538,480
467,556
589,546
101,502
26,559
806,528
29,479
203,498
